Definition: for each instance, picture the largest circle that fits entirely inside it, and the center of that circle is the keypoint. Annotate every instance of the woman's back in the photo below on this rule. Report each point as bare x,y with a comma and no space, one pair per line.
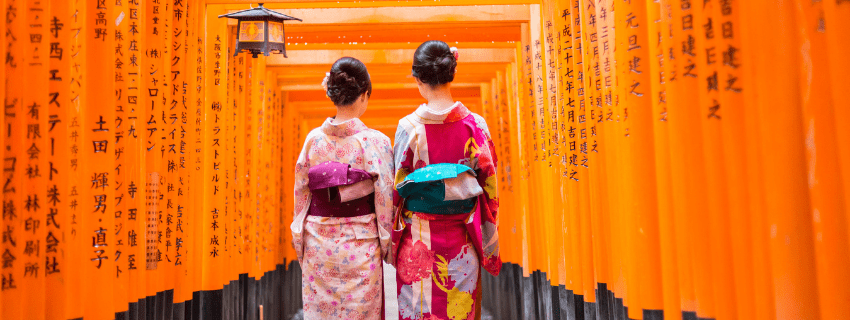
343,206
457,131
445,226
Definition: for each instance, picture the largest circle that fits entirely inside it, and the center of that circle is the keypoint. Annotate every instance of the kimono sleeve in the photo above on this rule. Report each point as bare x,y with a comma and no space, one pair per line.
489,201
379,161
403,163
302,196
403,157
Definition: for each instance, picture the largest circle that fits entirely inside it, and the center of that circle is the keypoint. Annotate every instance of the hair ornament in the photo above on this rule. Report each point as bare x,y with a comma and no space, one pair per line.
325,83
454,52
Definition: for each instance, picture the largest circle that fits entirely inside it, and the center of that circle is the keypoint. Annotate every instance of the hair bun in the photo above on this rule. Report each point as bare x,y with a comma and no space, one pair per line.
434,63
348,80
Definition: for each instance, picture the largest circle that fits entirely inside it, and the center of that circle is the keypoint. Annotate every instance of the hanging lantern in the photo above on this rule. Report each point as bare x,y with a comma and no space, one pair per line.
259,30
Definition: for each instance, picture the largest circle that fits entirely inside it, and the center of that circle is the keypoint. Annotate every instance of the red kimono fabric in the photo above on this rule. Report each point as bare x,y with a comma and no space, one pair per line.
438,257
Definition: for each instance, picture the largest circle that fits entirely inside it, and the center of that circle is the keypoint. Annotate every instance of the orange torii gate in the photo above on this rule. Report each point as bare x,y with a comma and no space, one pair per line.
658,159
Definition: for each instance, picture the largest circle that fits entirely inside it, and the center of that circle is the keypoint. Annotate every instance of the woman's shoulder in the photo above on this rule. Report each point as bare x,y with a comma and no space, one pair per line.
313,134
376,134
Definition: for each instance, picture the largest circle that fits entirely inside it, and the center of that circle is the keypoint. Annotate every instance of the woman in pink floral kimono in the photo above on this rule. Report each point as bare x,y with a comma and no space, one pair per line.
446,199
343,205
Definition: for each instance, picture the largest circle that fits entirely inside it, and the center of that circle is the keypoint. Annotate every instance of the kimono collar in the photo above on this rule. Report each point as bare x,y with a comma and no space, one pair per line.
348,128
427,116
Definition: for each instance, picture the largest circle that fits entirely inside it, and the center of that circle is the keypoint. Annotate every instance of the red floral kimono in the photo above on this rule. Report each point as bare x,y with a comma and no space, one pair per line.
438,257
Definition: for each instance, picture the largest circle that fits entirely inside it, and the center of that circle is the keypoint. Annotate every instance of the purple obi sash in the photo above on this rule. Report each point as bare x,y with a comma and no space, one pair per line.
340,191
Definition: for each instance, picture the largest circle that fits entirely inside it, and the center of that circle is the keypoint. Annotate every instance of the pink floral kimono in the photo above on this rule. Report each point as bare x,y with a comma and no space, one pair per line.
343,219
438,256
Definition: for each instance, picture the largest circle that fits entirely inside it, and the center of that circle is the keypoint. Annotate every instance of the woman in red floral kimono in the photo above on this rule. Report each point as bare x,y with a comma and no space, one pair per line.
343,208
446,199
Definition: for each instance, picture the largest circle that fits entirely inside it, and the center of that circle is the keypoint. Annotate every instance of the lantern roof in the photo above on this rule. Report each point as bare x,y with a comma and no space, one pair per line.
257,13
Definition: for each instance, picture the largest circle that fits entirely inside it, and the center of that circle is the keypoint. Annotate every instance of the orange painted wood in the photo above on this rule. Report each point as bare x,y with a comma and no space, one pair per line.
121,175
133,131
3,125
375,33
516,225
288,182
837,29
153,99
97,203
710,59
76,239
179,150
56,248
734,150
13,170
177,107
762,271
604,136
526,118
264,227
790,234
228,223
558,143
33,231
562,41
167,154
241,167
576,173
827,206
550,122
539,133
250,189
494,123
212,249
635,45
135,136
587,122
576,189
537,110
664,67
675,95
254,125
198,16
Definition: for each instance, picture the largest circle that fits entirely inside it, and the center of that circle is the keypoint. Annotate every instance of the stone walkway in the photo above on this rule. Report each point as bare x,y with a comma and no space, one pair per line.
390,292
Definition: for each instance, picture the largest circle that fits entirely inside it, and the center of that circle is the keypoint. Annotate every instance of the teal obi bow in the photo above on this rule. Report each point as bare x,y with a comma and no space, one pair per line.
442,188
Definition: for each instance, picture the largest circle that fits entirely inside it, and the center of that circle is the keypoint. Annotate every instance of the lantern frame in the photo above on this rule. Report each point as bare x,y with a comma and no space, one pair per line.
266,17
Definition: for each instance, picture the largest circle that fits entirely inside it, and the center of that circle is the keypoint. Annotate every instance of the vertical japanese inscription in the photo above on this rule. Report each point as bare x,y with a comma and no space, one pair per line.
98,133
573,86
122,161
133,132
214,152
58,167
11,270
151,209
32,232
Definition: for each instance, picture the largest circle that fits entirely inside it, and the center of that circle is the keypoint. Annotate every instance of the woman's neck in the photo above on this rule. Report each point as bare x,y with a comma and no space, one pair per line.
440,99
344,114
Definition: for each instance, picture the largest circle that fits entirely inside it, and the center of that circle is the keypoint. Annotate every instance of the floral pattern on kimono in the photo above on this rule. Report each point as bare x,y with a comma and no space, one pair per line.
341,258
439,257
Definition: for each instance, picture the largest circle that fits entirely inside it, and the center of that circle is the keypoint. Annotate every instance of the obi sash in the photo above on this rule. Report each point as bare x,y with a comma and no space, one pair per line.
340,191
443,188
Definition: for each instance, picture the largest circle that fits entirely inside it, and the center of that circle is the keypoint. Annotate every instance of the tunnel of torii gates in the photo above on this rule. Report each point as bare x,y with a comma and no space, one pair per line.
657,159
